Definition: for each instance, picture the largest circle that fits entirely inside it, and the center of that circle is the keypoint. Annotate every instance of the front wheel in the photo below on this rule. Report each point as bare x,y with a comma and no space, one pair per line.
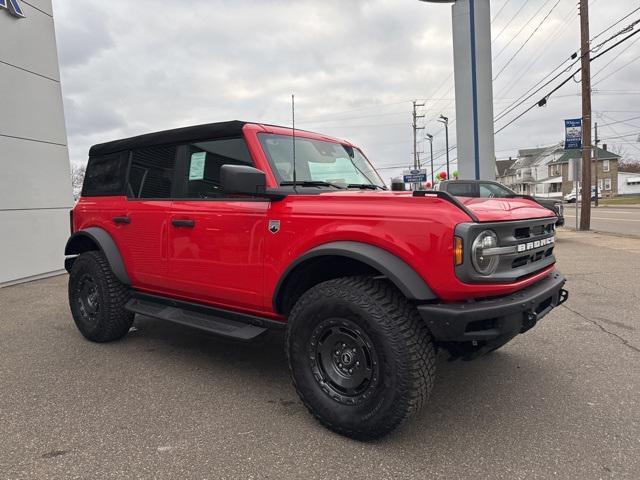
361,358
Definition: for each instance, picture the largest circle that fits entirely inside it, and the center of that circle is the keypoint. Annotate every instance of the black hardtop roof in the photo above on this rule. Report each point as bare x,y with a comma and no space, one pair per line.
209,131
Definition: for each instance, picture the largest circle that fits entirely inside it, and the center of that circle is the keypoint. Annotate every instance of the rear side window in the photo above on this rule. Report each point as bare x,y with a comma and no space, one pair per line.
105,175
152,172
461,189
204,162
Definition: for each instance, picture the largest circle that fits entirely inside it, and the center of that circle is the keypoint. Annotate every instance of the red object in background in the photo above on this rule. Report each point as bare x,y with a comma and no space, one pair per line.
442,175
428,185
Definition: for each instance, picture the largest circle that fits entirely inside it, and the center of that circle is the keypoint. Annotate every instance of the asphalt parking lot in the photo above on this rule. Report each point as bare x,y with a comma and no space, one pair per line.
562,401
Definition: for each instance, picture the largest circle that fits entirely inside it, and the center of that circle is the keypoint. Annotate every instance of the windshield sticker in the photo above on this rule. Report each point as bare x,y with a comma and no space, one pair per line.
196,170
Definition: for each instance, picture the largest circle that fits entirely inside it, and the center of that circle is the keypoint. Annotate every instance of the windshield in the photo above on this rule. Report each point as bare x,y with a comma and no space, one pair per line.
318,161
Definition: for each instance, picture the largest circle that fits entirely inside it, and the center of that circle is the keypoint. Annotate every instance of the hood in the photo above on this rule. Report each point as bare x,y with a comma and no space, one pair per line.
486,209
504,209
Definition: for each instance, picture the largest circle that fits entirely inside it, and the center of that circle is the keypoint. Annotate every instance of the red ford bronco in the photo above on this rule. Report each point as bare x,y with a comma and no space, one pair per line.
235,228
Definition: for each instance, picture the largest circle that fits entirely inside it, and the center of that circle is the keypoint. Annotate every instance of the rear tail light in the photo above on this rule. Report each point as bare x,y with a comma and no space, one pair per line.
457,251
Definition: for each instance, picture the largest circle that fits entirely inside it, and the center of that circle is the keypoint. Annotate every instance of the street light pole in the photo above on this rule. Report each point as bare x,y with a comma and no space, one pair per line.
430,138
445,120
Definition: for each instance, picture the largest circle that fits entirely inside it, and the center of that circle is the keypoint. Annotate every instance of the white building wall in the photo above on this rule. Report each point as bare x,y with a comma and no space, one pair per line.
35,186
628,183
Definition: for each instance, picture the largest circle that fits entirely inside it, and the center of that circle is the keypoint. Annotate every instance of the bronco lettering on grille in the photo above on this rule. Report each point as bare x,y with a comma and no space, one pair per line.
525,247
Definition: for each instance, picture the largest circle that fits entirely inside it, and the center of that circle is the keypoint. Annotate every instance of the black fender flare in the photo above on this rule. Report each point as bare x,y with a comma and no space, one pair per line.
403,276
81,241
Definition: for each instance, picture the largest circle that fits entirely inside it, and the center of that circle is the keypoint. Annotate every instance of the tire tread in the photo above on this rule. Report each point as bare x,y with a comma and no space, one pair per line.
410,340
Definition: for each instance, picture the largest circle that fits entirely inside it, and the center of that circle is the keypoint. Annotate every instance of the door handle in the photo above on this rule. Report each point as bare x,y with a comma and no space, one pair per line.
183,223
126,220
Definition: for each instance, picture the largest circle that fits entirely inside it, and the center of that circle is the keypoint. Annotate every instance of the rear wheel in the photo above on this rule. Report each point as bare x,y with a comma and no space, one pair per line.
361,358
97,299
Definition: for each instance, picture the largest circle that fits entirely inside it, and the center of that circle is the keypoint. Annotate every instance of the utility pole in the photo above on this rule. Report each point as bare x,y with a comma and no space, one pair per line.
595,153
430,138
415,137
585,217
445,120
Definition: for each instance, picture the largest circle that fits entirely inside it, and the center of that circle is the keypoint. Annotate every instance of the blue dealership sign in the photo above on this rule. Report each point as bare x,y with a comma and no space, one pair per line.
573,134
13,6
415,176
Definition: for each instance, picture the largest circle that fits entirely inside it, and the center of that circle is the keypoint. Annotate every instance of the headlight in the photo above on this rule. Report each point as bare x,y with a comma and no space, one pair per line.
484,264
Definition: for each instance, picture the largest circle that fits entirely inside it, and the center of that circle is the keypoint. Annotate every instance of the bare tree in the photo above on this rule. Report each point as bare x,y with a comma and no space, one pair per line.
77,177
629,166
618,150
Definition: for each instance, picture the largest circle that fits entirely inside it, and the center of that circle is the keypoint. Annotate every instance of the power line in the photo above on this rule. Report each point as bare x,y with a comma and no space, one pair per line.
542,51
574,57
618,69
543,101
615,122
616,132
500,11
616,23
509,23
524,25
354,110
527,40
614,59
634,134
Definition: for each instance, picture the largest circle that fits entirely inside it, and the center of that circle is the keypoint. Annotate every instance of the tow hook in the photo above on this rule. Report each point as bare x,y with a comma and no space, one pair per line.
529,321
563,296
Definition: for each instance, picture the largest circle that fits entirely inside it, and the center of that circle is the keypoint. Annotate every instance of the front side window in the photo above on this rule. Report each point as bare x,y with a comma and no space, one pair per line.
205,160
318,161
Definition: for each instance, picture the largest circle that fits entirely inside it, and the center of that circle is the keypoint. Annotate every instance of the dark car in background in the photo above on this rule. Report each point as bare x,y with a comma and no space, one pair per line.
489,189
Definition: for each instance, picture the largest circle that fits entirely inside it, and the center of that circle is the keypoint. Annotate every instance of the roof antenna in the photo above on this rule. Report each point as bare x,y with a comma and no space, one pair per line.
293,118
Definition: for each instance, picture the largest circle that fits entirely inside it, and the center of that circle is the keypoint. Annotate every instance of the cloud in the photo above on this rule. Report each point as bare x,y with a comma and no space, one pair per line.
133,67
83,33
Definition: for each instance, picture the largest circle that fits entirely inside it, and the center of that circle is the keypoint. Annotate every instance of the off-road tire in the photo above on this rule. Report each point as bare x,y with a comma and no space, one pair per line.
399,339
109,319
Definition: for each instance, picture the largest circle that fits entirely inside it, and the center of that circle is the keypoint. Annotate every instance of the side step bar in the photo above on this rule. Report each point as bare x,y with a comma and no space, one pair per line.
213,320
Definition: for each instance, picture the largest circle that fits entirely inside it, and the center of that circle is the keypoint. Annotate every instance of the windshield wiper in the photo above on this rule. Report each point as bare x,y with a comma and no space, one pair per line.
310,183
369,186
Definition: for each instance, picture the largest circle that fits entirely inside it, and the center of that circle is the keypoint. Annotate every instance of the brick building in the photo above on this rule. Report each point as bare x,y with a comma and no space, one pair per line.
607,171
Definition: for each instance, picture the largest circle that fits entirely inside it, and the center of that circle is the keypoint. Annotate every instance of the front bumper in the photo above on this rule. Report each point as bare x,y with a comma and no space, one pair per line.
497,319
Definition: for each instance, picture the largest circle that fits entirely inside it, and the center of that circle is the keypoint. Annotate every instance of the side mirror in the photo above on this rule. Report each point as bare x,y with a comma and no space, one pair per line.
242,179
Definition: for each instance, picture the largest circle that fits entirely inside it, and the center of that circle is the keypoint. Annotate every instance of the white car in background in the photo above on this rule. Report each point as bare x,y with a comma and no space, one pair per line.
571,196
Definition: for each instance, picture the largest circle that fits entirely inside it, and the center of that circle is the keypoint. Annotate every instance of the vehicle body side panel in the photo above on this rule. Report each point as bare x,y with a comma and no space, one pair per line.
142,242
419,231
220,259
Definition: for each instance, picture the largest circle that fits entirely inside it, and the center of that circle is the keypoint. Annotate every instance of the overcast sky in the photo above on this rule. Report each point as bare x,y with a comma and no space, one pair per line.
131,67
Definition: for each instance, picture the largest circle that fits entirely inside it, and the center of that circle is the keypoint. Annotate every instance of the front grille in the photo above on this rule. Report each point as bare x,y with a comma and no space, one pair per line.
532,240
528,232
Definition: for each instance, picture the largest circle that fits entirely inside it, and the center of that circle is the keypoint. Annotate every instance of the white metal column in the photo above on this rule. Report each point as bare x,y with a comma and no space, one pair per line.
474,89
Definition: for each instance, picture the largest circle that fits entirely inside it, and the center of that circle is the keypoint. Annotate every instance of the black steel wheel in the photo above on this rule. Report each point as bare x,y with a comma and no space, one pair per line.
97,299
361,358
345,363
88,298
